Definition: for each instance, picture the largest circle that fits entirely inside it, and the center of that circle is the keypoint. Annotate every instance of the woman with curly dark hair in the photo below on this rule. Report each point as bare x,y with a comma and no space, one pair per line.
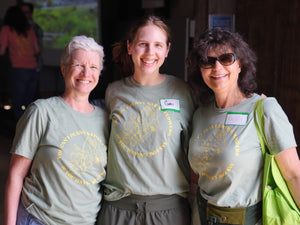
18,36
222,40
224,148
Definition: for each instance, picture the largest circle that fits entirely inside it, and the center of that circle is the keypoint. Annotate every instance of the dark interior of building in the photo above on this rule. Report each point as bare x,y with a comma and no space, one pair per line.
271,28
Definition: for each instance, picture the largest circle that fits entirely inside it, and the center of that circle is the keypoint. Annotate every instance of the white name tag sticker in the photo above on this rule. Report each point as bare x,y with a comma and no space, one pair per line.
236,118
170,104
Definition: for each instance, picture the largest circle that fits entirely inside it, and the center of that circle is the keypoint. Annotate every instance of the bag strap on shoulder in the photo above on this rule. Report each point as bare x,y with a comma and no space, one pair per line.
260,125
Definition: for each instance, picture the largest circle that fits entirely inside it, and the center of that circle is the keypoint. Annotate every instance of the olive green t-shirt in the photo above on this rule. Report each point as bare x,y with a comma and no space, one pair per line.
148,136
225,150
68,152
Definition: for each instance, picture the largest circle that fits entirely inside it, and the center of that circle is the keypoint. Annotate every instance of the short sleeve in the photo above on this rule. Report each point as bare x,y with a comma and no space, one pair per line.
278,130
28,132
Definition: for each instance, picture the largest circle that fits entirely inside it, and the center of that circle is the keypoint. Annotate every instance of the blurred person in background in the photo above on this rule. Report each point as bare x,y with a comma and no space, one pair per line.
18,36
28,10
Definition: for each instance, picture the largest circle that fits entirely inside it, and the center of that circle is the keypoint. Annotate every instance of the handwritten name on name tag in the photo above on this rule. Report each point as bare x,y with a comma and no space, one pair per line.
170,104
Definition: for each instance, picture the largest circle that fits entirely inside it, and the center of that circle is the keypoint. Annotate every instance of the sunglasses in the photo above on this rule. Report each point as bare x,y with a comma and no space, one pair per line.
225,59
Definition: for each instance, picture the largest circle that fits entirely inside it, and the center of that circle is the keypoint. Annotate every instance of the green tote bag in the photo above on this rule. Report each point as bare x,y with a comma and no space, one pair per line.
279,207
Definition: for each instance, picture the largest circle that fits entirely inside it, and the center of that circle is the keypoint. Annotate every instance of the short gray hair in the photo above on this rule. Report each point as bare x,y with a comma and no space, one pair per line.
81,42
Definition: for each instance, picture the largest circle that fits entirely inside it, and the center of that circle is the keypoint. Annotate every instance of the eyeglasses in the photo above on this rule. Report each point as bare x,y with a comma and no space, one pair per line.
225,59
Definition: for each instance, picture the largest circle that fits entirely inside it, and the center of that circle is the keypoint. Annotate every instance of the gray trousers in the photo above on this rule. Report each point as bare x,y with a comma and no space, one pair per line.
141,210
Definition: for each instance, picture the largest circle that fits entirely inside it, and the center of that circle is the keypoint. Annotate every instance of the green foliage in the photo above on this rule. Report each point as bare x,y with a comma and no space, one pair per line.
61,24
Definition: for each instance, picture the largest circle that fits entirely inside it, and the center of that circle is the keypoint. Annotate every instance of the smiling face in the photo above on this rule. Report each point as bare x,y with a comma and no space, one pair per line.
148,49
219,78
82,72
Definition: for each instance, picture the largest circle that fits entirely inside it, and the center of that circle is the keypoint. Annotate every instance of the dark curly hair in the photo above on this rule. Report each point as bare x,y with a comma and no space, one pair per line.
217,38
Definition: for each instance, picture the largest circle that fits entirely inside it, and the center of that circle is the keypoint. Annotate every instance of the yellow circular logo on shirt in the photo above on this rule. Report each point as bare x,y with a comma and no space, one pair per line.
139,126
211,143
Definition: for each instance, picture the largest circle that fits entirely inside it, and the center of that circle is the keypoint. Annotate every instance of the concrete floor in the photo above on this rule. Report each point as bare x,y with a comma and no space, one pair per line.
7,126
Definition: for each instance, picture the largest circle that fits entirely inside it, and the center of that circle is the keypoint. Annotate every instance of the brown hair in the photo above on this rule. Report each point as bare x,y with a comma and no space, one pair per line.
120,54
